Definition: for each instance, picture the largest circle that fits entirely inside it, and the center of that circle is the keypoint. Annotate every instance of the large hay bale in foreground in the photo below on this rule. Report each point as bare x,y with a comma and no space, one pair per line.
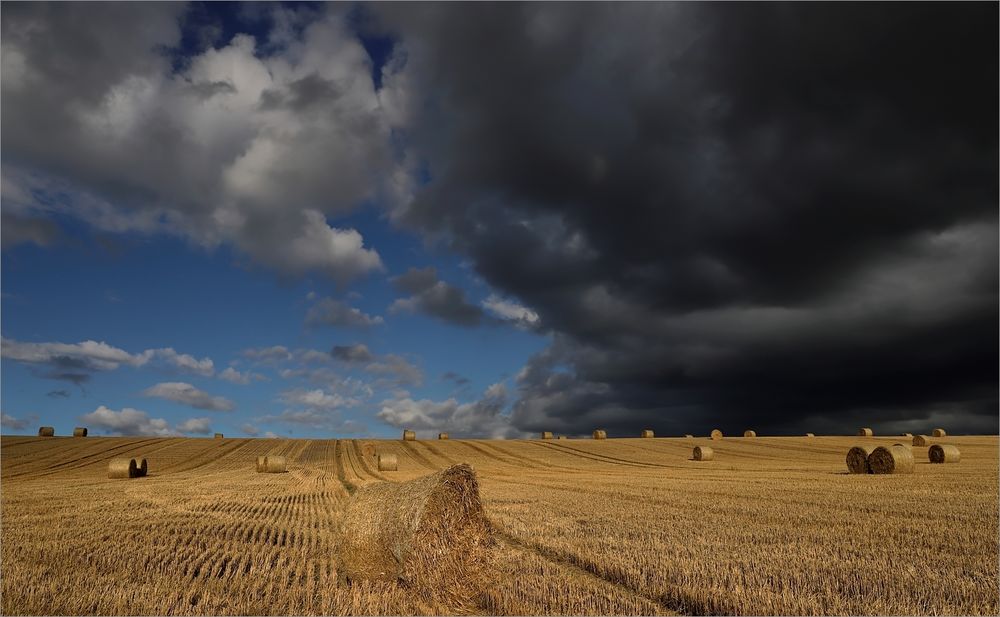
388,462
647,434
80,431
921,440
546,434
260,464
409,436
703,453
275,464
368,450
431,534
939,432
857,459
600,434
218,436
865,432
749,433
123,468
894,459
442,435
943,453
716,434
46,431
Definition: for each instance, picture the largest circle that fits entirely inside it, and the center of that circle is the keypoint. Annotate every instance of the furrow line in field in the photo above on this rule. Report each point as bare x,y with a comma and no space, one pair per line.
531,462
210,456
356,448
338,456
490,455
114,450
602,458
437,452
416,455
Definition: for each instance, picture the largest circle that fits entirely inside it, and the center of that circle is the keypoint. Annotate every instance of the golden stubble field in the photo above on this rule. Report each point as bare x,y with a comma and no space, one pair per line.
623,526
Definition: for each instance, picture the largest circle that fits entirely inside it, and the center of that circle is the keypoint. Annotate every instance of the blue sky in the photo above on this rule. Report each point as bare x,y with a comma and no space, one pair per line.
495,219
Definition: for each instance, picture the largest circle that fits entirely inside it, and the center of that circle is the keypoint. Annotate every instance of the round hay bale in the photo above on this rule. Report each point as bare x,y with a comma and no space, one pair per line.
921,440
939,432
908,446
80,431
689,436
546,434
46,431
943,453
600,434
907,435
218,435
368,449
562,437
388,462
749,433
647,434
716,434
142,467
431,534
442,435
894,459
409,436
123,468
275,464
703,453
865,432
810,435
857,459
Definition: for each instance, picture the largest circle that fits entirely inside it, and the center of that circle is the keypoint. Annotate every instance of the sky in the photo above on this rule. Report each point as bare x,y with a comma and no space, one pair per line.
325,220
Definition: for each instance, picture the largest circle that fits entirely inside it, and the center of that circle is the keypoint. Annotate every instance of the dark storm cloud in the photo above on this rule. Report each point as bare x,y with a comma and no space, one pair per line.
435,298
769,215
352,353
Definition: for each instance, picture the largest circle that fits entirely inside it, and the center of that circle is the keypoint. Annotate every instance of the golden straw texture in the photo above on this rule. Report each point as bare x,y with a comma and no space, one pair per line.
703,453
857,459
600,434
943,453
123,468
80,431
388,462
894,459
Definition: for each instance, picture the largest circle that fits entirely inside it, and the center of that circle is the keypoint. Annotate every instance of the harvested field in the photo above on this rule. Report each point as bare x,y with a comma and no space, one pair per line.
774,525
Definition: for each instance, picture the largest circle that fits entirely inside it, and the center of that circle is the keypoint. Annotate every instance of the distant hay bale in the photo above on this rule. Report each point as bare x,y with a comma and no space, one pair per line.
142,467
809,435
647,434
921,440
260,464
442,435
703,453
368,450
46,431
600,434
908,446
409,436
907,435
431,534
857,459
689,436
865,432
562,437
123,468
80,431
894,459
716,434
546,434
943,453
939,432
749,433
275,464
218,435
388,462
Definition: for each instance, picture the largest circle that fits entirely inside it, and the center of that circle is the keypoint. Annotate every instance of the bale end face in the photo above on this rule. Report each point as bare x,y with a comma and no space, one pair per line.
546,434
80,431
891,460
943,453
702,453
600,434
865,432
857,459
939,432
260,464
388,462
716,434
442,435
749,433
142,467
218,436
921,440
647,434
46,431
409,436
431,534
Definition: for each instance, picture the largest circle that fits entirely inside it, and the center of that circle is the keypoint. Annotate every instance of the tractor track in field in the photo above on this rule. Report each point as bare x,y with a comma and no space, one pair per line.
109,452
420,458
601,458
211,455
530,462
491,455
438,453
338,456
356,448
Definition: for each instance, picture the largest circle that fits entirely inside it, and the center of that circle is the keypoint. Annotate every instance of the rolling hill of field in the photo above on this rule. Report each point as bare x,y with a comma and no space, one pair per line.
622,526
